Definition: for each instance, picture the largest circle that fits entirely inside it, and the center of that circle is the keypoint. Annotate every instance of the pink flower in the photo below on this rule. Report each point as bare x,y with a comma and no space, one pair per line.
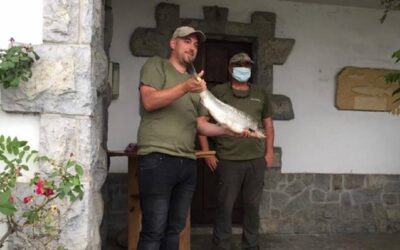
39,186
48,191
27,199
40,189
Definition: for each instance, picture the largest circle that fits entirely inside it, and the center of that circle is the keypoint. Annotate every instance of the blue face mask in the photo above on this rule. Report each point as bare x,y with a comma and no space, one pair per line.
241,74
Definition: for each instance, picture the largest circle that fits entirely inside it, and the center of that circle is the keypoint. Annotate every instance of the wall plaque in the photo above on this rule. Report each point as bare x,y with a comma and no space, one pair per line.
364,89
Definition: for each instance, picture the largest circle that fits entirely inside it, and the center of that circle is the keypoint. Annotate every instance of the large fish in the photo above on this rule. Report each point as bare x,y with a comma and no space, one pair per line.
228,116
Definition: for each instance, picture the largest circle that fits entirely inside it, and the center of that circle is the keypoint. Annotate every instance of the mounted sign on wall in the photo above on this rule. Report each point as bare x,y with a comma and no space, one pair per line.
364,89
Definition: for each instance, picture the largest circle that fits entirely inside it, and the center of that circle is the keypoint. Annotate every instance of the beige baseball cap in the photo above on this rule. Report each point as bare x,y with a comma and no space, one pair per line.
240,58
185,31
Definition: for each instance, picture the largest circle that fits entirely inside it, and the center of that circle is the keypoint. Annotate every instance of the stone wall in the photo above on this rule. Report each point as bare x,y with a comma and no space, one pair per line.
322,203
69,91
302,203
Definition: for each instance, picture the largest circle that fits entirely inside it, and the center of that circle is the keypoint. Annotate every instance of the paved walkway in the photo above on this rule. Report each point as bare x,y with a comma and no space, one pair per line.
313,242
365,241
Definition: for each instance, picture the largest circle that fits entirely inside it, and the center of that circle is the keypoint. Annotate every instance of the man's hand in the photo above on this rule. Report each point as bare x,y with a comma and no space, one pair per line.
245,133
269,159
212,162
195,84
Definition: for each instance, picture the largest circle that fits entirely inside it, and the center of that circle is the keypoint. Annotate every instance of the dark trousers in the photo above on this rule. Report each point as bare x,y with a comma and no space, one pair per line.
166,187
233,177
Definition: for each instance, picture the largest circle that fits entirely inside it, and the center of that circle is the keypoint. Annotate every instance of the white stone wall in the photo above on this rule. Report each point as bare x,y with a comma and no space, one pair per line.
321,138
66,99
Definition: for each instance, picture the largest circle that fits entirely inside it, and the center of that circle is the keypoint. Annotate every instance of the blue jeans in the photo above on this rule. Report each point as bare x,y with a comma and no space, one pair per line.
166,187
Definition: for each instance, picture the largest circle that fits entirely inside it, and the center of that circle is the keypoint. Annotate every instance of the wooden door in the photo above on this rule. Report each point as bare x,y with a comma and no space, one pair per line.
213,57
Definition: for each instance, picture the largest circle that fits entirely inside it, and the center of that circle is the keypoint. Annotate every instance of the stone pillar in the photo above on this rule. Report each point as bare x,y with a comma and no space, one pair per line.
69,92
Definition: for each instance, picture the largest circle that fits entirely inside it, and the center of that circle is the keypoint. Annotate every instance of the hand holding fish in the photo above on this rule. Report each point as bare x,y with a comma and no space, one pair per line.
195,84
244,133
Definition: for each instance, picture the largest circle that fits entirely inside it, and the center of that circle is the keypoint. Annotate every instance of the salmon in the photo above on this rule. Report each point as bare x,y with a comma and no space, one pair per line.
226,115
230,117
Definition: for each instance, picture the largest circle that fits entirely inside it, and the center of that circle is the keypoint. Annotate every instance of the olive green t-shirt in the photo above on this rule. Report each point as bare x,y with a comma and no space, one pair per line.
172,129
254,102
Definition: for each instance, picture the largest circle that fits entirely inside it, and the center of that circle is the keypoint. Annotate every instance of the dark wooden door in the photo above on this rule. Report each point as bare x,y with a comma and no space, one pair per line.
213,58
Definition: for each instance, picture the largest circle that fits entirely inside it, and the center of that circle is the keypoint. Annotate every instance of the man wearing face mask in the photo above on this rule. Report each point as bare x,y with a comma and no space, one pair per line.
240,162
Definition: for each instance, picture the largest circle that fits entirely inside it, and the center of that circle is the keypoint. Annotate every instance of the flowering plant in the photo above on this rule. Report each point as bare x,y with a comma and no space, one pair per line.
33,215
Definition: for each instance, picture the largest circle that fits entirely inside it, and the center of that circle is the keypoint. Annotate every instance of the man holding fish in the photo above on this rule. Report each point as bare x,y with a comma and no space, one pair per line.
240,162
170,111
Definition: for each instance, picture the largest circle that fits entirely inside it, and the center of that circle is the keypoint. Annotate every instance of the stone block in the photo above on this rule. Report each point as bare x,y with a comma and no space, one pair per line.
271,178
332,196
275,213
356,212
167,16
345,200
353,181
63,135
392,177
299,202
149,42
269,225
375,181
337,182
276,51
282,106
393,213
303,225
317,195
266,20
285,226
282,186
366,195
392,187
307,179
326,211
380,212
295,188
367,211
215,14
61,83
265,204
353,226
393,227
91,22
389,199
290,177
61,21
279,200
322,181
277,162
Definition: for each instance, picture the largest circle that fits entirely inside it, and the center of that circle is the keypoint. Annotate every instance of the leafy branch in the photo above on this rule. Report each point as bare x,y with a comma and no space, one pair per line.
395,78
388,6
36,217
15,64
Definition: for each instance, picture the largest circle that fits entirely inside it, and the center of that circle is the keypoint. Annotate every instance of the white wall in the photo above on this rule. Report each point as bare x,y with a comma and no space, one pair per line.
22,20
320,139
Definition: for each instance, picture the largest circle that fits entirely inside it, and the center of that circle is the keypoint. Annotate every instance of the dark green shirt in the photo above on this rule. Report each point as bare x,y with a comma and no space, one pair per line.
254,102
172,129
